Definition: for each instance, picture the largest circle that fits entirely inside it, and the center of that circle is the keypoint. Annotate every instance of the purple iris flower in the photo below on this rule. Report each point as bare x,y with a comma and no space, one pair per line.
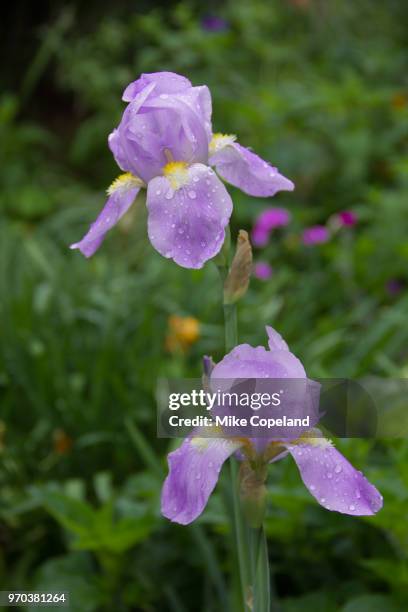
317,234
266,222
165,143
195,466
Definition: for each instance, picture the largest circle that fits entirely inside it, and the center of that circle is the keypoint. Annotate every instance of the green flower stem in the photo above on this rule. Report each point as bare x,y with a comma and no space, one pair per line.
260,570
251,545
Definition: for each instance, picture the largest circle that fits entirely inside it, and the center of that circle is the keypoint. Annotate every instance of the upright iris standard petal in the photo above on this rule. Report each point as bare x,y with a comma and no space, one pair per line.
333,481
163,83
245,170
193,474
188,211
245,361
275,340
160,129
199,101
117,204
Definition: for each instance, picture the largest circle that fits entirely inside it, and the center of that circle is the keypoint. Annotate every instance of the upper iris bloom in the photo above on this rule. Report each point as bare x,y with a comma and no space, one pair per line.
194,467
164,143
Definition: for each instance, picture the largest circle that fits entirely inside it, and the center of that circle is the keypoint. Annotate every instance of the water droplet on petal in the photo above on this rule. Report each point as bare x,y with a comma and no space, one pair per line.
329,475
338,469
196,179
169,195
192,195
164,96
158,192
351,507
312,488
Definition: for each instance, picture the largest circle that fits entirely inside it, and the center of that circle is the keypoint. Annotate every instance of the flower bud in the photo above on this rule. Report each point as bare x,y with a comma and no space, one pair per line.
237,281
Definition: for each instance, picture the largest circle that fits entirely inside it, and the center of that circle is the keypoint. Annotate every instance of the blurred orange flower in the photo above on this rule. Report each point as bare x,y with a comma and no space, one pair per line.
61,441
182,333
399,100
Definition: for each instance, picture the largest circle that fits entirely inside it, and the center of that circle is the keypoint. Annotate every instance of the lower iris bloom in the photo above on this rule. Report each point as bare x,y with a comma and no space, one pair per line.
195,466
165,144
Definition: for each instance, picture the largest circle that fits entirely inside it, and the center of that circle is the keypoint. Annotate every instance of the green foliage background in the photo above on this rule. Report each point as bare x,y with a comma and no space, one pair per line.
320,89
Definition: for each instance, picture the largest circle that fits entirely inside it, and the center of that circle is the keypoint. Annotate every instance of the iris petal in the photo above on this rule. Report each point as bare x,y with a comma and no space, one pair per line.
117,204
193,473
333,481
187,224
163,82
245,170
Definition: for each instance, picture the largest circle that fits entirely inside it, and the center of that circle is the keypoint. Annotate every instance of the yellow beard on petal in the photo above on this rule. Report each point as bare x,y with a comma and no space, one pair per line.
219,141
124,182
314,437
177,174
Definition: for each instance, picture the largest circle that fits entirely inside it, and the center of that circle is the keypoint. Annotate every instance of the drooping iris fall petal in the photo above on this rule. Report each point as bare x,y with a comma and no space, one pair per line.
333,481
118,203
193,473
187,215
247,171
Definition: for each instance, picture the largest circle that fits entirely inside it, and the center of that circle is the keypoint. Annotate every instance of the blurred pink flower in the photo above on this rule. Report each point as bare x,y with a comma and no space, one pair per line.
347,217
262,270
317,234
266,222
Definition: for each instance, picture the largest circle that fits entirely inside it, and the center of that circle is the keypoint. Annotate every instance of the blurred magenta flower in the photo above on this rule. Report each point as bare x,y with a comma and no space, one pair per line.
317,234
262,270
214,23
164,143
347,217
195,466
266,221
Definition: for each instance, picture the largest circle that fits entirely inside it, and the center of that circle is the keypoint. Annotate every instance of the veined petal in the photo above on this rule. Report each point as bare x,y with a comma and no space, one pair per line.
121,196
333,481
193,473
188,210
245,170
